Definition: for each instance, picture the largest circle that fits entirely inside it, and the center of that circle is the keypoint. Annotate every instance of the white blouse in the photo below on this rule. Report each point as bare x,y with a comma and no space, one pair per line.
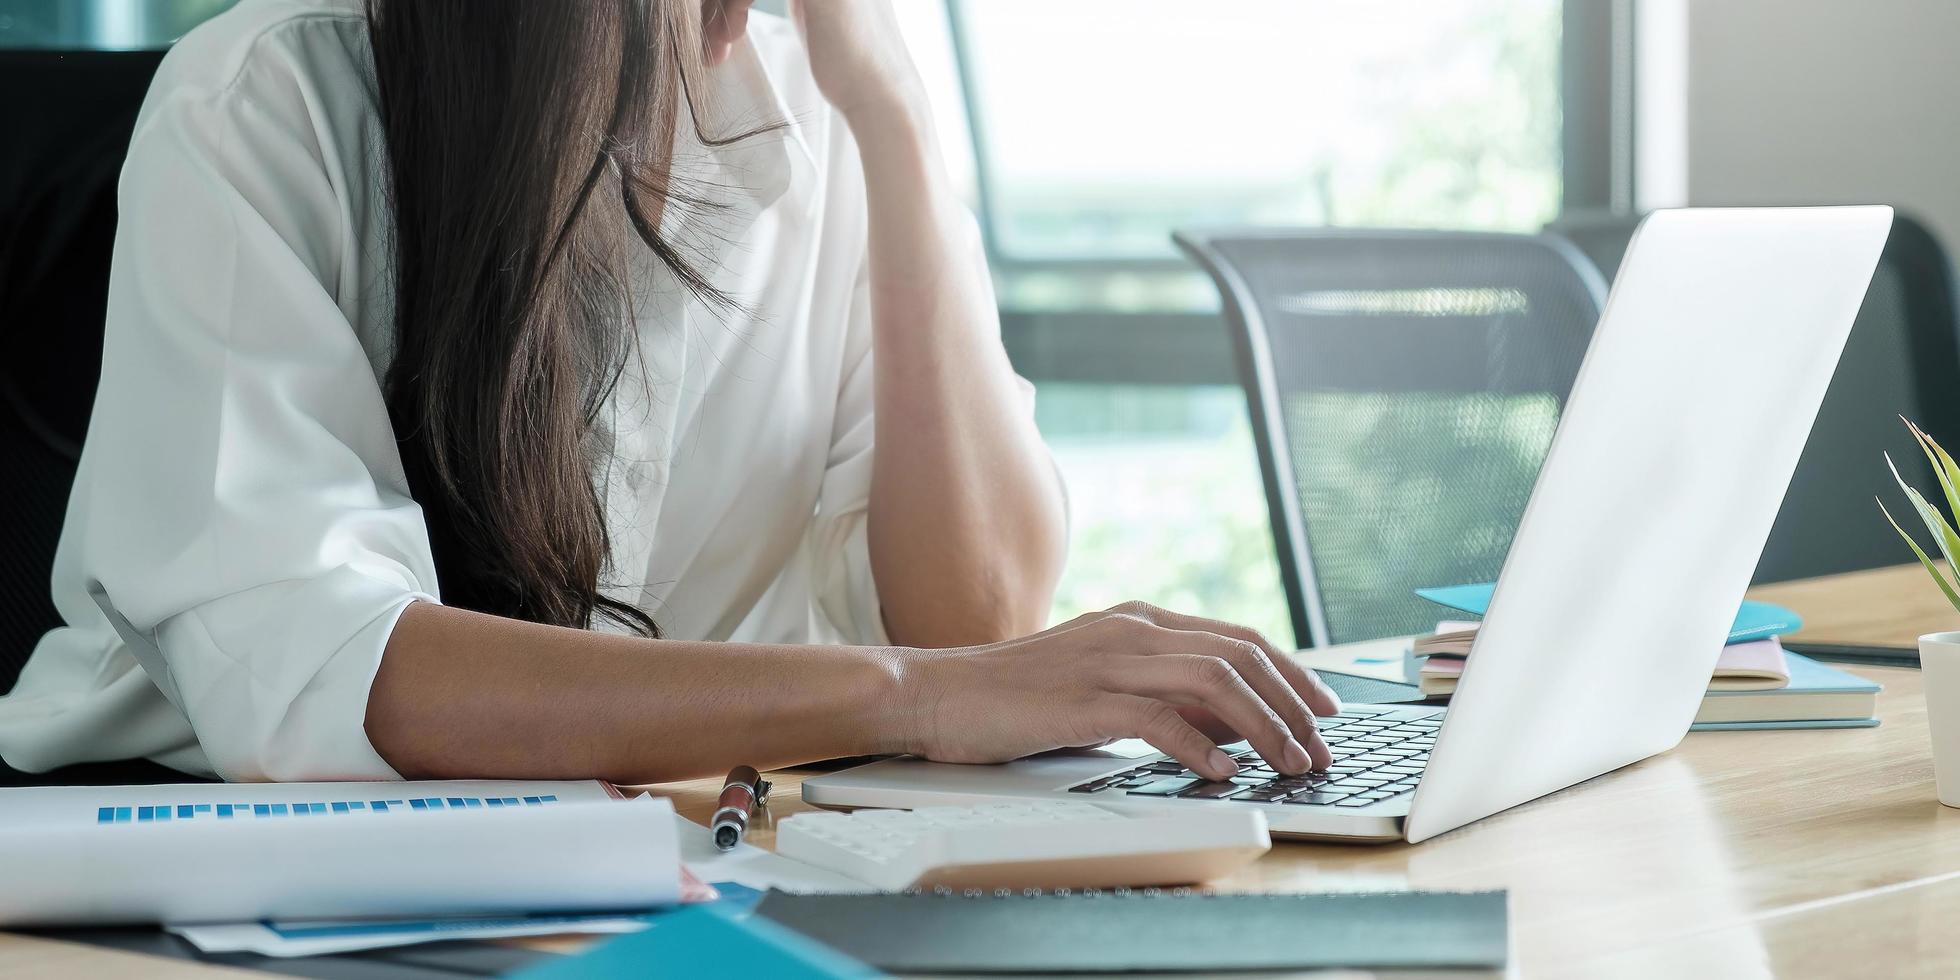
241,539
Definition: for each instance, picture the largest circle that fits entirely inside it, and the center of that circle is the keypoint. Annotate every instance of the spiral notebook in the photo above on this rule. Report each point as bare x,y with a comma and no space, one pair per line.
1153,931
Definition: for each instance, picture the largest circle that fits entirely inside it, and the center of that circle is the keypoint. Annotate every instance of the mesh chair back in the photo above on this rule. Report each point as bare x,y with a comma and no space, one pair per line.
57,224
1404,387
1902,359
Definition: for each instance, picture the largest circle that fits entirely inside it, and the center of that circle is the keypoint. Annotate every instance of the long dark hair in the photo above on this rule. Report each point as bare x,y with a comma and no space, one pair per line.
529,145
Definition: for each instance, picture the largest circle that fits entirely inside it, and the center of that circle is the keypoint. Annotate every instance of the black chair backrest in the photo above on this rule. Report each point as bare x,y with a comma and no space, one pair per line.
65,144
1601,236
1403,386
1903,358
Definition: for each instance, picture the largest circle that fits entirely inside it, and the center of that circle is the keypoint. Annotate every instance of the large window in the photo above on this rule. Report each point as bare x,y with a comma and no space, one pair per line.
1099,126
1106,123
1165,502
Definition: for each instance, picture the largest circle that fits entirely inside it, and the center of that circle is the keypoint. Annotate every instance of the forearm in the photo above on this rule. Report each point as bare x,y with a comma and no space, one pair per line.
966,521
462,694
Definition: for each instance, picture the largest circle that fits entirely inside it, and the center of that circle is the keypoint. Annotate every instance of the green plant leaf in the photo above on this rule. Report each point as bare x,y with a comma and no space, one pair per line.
1952,597
1943,466
1936,525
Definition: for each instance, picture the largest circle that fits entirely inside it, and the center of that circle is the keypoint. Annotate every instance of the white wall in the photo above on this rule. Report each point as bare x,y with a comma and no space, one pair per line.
1825,102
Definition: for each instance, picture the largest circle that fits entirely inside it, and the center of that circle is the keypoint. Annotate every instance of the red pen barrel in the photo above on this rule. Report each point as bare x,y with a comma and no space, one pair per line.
740,795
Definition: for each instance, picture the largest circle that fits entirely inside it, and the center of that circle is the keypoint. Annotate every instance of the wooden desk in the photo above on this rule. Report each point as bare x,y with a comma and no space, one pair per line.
1880,607
1797,853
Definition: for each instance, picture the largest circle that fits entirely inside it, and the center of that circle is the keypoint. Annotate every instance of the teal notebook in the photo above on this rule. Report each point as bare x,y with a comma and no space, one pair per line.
1754,621
1818,696
704,941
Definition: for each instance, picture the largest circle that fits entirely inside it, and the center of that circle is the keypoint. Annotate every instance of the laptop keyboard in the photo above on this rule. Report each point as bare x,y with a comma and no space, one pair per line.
1375,759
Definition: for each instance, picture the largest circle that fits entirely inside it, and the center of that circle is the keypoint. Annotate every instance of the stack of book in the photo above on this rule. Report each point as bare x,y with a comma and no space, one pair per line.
1757,684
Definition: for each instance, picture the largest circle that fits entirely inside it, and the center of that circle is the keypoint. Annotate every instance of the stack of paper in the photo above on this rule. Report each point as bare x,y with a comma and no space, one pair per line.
1756,683
1753,665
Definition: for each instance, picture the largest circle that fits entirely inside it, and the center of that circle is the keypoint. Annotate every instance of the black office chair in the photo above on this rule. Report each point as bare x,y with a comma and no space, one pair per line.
1601,236
1403,386
64,150
1903,358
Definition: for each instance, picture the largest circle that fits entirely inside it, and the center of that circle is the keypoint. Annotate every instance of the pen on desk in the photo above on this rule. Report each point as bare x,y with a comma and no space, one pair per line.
742,795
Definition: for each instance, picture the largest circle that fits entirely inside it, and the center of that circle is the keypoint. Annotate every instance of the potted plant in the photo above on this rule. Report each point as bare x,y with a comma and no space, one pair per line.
1939,653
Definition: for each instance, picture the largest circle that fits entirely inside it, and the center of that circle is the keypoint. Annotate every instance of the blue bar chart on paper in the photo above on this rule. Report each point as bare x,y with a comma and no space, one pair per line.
127,813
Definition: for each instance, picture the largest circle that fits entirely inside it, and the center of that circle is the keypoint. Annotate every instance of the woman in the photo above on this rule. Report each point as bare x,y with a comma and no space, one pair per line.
591,388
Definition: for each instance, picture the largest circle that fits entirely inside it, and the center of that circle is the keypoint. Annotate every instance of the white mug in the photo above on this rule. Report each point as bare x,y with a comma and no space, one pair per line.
1939,668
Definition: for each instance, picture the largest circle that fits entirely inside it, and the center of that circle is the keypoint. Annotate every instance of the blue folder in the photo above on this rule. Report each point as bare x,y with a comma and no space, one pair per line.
704,941
1755,620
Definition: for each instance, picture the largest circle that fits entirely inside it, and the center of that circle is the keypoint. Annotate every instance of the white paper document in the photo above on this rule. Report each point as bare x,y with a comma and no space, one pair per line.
210,853
321,937
744,867
753,867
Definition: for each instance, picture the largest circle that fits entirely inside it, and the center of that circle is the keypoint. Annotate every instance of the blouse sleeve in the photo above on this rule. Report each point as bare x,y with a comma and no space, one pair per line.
846,594
241,504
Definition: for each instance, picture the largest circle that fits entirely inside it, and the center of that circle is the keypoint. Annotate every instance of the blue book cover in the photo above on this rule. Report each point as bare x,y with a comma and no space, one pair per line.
1764,726
1755,620
1818,696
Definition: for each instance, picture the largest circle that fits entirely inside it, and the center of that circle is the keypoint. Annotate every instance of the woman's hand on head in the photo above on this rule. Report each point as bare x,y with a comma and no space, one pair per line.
1181,683
858,57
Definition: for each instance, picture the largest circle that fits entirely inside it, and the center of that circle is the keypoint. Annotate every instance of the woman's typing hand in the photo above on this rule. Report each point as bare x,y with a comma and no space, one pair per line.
1179,682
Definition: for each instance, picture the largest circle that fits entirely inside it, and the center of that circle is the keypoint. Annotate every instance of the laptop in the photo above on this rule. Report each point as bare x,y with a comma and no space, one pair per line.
1683,428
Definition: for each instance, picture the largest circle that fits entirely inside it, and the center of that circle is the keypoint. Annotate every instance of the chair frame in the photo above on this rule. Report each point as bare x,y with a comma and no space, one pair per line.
1252,352
1927,264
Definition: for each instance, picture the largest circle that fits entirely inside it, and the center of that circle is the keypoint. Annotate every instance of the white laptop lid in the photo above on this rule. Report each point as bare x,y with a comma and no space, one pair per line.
1694,401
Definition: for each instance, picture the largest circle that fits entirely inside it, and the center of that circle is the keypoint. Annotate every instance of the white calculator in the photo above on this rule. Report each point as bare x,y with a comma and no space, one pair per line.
1021,845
